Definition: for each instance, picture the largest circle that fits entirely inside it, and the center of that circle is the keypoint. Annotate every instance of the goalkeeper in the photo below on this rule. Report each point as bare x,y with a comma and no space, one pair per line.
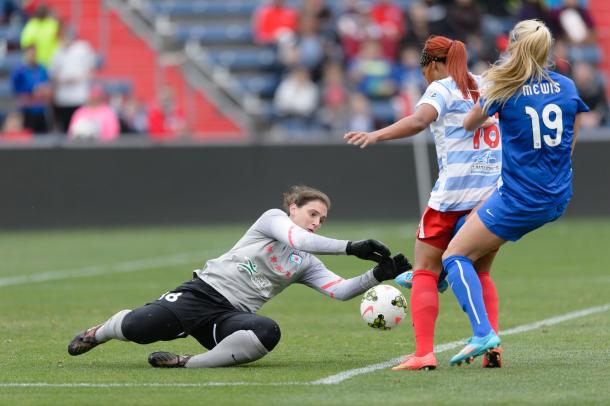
218,306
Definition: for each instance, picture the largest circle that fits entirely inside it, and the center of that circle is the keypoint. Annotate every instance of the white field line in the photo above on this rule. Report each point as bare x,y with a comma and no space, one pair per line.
342,376
93,270
330,380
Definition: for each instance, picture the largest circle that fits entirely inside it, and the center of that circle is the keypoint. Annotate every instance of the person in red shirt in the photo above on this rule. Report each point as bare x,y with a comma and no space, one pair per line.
390,19
272,20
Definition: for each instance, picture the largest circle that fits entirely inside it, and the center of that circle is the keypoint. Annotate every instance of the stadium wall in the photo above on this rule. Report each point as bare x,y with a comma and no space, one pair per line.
110,186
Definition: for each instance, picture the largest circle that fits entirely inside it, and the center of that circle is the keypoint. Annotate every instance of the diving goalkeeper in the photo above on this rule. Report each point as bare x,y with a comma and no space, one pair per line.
218,306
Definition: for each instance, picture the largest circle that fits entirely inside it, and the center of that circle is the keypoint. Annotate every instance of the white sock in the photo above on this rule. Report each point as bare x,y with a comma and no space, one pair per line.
238,348
112,328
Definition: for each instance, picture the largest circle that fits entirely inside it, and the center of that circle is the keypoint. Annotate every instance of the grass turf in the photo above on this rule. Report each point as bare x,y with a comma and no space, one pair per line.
555,270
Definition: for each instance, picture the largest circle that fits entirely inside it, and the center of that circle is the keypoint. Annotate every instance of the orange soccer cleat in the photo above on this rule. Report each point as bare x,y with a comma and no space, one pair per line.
493,358
413,363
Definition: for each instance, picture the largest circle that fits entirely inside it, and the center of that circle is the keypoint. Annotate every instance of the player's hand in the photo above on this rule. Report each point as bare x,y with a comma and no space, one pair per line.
489,122
392,267
361,139
372,250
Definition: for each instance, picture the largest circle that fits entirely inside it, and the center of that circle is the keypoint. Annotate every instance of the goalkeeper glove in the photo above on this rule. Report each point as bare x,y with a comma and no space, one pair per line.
372,250
390,268
406,281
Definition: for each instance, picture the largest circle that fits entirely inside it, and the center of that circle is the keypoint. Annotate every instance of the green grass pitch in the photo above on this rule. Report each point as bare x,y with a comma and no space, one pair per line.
84,276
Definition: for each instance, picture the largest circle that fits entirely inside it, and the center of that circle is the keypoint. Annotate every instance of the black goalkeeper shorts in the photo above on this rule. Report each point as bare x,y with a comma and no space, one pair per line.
195,303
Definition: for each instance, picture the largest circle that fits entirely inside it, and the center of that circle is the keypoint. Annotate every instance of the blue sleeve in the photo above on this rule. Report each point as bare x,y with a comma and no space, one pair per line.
581,106
17,82
493,108
44,75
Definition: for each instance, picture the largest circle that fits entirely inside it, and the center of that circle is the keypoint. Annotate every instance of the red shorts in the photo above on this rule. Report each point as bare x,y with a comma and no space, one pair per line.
436,227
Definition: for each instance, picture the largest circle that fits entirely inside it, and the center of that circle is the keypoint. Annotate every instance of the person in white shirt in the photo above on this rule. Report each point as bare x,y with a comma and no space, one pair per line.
218,306
71,69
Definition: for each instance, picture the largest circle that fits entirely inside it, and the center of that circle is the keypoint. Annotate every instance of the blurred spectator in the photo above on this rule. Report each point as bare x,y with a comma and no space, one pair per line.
322,13
296,100
165,119
360,115
334,98
593,92
390,19
464,19
533,9
306,49
272,20
95,120
573,23
424,20
412,82
30,83
41,31
355,27
71,70
13,129
9,9
30,6
409,69
133,116
373,74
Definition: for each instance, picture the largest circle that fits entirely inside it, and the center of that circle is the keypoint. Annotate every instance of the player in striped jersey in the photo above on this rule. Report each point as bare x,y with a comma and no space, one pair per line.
469,167
539,115
218,306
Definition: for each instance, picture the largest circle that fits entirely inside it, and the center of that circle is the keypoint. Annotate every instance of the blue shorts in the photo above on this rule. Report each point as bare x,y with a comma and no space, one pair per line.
511,222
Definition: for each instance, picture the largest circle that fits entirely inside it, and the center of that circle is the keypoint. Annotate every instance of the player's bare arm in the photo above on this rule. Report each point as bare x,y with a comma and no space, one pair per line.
406,127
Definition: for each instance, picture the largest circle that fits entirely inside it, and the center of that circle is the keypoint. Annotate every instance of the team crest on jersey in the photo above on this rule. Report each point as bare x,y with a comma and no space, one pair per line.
295,258
485,164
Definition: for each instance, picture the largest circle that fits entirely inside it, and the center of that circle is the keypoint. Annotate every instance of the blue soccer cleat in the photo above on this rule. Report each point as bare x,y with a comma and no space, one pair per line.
476,346
405,280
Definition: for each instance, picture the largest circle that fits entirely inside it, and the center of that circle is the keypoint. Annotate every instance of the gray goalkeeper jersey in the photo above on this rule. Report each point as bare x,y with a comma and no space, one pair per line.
273,254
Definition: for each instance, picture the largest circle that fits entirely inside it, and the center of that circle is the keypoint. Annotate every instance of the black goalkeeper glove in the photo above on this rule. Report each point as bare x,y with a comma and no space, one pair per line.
390,268
372,250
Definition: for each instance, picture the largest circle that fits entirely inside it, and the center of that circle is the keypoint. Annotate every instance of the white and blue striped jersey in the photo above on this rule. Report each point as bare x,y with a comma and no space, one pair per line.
469,163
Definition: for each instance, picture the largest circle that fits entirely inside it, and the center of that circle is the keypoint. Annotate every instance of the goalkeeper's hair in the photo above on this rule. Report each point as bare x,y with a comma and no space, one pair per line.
301,195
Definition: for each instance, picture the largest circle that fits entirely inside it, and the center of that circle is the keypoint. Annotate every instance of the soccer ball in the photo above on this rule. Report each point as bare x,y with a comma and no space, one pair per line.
383,307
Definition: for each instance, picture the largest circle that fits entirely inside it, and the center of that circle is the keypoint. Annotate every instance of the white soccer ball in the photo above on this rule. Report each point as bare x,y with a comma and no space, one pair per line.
383,307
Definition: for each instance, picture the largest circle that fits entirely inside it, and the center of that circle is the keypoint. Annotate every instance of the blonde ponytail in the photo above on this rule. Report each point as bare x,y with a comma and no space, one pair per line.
529,49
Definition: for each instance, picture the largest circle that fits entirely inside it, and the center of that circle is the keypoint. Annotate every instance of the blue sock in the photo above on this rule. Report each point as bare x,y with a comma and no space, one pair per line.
467,289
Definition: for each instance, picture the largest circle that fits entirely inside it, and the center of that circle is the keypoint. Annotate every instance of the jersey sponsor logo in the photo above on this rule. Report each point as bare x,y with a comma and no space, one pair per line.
485,164
489,212
247,266
295,258
262,283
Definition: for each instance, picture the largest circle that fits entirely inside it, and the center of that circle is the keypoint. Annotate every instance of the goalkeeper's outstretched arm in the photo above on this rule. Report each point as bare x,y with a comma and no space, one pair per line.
332,285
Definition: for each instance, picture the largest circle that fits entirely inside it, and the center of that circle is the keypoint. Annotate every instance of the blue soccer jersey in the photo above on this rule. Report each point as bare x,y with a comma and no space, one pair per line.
537,125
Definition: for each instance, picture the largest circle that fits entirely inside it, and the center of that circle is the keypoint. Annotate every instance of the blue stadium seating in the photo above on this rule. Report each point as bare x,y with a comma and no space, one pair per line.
10,61
262,84
243,59
208,8
5,89
216,34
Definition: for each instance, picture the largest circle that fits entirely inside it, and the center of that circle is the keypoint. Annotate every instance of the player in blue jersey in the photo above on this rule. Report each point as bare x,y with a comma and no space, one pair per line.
469,168
539,118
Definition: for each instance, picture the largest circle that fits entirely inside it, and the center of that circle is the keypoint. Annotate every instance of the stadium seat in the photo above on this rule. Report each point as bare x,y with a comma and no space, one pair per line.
216,34
209,9
10,61
262,84
6,90
10,34
243,59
